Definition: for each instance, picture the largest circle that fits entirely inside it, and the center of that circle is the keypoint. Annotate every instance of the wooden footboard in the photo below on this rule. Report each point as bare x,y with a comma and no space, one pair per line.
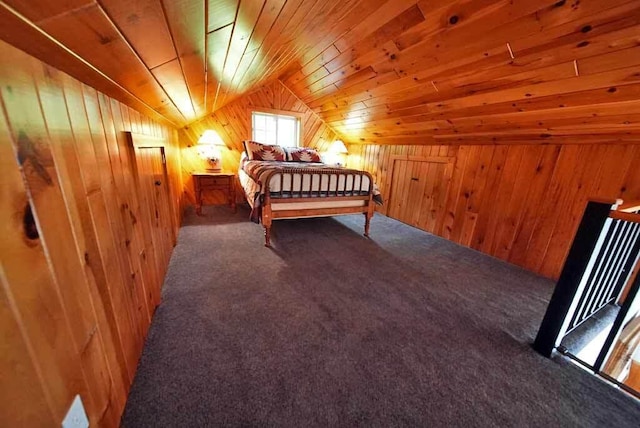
350,196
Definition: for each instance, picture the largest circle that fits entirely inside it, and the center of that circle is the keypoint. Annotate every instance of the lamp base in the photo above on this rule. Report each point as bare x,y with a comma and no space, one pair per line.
213,165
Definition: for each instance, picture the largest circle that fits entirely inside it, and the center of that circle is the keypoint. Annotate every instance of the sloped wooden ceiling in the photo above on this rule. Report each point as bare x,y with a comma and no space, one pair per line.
479,71
182,58
379,72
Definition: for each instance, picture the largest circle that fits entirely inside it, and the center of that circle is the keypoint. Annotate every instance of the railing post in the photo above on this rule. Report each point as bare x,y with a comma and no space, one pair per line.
584,243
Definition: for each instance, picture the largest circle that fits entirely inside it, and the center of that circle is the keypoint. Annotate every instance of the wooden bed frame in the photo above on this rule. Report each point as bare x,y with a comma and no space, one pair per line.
305,195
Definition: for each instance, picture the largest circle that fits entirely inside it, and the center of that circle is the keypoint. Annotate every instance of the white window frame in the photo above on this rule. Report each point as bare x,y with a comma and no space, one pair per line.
278,113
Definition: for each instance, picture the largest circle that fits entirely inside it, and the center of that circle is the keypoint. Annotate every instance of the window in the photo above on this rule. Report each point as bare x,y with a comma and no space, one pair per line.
273,128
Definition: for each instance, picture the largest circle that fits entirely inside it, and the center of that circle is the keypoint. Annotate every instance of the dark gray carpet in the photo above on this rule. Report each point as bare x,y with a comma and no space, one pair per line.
588,330
332,329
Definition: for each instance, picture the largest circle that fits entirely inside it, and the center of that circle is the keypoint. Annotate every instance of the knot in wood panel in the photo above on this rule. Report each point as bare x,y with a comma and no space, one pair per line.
29,224
27,152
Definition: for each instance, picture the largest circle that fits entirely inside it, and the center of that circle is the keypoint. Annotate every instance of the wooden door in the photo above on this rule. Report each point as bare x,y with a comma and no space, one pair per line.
153,183
153,188
418,191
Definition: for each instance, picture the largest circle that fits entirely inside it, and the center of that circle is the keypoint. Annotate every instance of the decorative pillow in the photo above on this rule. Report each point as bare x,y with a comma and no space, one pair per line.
303,154
264,152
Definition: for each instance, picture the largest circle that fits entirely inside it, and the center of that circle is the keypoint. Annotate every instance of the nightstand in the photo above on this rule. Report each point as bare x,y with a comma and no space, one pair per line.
224,181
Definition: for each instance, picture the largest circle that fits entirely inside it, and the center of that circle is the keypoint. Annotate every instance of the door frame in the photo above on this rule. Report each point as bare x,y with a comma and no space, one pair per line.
141,141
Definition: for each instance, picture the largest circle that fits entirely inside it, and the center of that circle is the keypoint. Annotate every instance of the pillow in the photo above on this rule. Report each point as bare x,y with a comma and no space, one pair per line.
303,154
264,152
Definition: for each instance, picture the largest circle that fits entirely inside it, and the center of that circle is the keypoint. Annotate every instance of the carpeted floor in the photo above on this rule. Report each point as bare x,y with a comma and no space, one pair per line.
329,328
585,333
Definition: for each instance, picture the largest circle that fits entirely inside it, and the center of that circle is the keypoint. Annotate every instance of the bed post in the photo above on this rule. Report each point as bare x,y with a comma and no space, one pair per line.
267,236
266,218
369,214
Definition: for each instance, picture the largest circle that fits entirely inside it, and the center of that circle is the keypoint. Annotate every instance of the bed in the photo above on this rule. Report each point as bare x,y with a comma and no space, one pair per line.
289,183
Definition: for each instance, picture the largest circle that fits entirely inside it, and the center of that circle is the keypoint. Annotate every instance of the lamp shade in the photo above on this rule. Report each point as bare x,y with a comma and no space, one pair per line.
210,138
338,147
209,145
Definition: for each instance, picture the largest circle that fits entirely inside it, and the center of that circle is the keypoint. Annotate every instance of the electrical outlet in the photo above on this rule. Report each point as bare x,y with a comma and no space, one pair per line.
76,416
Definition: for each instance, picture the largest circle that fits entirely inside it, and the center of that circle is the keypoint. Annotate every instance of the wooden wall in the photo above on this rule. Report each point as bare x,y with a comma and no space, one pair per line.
78,276
233,124
520,203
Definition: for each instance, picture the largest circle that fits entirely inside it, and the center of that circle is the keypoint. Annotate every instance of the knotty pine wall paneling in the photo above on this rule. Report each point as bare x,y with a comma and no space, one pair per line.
520,203
77,274
233,124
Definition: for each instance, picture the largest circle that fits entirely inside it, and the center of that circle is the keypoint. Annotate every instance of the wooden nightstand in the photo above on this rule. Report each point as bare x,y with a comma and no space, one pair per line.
214,181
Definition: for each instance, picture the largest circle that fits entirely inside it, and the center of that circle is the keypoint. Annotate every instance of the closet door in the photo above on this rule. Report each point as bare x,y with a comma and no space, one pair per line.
418,191
153,188
153,183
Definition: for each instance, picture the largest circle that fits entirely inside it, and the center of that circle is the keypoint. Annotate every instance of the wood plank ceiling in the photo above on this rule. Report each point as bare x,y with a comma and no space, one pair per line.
378,72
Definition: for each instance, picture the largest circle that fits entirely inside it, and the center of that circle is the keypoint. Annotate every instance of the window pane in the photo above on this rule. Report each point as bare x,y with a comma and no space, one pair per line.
258,127
270,123
259,135
275,129
287,132
270,130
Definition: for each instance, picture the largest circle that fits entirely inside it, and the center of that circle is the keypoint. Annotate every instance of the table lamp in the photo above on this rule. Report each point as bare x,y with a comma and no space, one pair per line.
339,150
209,145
